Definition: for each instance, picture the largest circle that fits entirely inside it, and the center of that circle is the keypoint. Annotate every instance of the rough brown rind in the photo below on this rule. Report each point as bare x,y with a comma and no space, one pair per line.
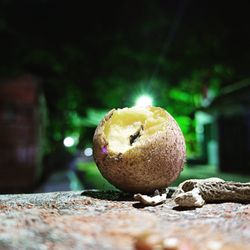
154,165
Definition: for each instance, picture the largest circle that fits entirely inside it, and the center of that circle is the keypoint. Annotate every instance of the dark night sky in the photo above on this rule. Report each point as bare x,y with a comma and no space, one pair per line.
76,41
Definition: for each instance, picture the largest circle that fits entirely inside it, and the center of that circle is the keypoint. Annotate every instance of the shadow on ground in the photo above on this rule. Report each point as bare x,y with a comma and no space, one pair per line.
111,195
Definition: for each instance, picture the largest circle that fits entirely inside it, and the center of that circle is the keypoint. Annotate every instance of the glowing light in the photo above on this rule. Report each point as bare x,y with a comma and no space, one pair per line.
68,141
144,101
88,152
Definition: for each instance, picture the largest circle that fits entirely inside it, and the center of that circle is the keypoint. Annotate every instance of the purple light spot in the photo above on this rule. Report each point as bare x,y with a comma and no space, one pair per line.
104,150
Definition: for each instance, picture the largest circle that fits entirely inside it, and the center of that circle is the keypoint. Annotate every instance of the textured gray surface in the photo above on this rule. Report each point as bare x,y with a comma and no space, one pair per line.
112,220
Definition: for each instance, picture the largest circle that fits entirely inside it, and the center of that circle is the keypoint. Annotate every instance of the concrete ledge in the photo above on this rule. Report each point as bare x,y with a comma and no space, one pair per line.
112,220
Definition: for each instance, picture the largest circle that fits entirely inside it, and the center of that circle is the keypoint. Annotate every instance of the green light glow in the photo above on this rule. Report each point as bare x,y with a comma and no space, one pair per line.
144,101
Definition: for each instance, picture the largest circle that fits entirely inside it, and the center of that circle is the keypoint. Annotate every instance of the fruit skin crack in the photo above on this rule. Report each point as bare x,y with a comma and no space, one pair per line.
135,136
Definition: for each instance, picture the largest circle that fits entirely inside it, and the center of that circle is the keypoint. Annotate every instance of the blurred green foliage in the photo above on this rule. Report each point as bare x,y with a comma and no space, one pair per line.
93,176
101,58
180,100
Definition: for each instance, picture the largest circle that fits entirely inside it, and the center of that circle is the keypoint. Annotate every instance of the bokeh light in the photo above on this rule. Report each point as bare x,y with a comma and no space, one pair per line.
69,141
144,101
88,152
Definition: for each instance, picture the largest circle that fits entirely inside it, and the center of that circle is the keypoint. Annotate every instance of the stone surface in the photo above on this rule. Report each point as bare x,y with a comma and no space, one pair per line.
112,220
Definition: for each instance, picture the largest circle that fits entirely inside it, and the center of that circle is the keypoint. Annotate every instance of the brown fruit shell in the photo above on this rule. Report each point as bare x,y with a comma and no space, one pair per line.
155,164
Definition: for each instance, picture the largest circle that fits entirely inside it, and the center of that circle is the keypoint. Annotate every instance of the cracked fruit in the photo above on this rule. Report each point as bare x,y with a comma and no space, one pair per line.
139,149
